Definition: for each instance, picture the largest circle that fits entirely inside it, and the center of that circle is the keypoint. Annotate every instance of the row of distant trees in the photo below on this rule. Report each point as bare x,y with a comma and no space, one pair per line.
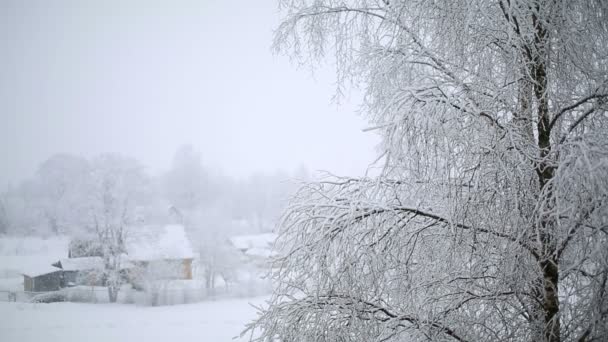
65,194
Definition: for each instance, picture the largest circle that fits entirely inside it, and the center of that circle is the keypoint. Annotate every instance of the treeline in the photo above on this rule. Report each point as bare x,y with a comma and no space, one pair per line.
70,195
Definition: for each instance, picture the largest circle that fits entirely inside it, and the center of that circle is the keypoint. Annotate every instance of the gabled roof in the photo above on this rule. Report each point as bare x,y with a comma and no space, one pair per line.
38,270
81,264
146,243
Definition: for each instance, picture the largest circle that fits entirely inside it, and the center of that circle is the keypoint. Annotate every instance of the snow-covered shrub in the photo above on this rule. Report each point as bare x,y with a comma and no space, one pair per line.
80,294
50,297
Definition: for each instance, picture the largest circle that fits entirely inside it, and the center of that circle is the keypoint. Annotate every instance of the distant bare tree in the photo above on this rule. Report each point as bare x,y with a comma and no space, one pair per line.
116,185
489,218
4,219
60,186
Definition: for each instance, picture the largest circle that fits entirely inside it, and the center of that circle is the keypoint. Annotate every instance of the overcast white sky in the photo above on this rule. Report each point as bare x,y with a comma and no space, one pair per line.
144,77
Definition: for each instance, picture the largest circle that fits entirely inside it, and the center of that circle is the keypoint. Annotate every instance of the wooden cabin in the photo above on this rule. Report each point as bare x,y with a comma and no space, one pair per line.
44,278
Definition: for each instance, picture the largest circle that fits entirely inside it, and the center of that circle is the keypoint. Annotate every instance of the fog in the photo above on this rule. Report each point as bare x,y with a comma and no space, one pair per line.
142,78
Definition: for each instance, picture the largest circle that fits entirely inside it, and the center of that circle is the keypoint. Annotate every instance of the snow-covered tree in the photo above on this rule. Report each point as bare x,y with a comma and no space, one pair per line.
22,209
4,219
488,219
261,198
60,186
217,259
117,183
187,184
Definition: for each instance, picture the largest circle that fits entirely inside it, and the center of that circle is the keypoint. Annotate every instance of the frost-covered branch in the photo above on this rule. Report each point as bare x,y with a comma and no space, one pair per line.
489,215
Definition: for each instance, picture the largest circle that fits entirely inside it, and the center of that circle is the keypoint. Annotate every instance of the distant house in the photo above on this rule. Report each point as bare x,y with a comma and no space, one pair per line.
81,271
43,278
64,273
161,252
254,246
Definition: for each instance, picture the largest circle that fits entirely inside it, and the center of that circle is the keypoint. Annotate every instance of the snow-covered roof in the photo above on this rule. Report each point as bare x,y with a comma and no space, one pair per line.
39,269
257,241
31,256
145,243
80,264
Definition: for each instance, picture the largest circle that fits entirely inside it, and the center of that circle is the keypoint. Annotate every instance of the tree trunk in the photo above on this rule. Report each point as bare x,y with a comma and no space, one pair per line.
551,300
112,294
545,170
210,283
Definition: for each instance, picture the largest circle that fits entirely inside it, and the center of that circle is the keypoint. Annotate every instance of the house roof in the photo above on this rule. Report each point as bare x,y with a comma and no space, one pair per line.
80,264
145,243
31,256
38,270
253,241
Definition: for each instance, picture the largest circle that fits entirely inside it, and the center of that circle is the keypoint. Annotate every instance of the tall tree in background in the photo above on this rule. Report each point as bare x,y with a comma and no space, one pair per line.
187,184
262,198
489,218
4,218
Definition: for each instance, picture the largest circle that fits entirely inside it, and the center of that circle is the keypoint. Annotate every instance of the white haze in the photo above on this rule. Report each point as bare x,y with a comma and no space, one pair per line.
144,77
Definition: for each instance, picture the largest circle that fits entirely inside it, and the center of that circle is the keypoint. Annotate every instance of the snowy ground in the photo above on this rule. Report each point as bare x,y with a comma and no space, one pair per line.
217,321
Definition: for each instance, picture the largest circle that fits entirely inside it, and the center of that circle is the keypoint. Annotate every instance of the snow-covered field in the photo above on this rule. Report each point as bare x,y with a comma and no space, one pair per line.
216,321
